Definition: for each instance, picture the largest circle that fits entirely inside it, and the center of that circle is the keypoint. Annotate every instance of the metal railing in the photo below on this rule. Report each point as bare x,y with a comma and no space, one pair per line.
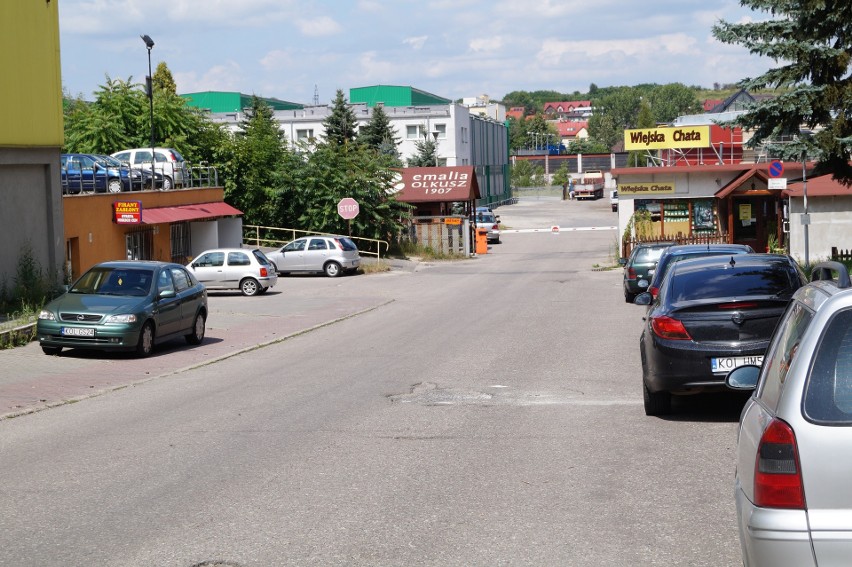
273,237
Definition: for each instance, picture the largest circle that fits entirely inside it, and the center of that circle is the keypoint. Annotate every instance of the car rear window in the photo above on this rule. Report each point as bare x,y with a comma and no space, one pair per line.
741,281
347,244
828,393
647,255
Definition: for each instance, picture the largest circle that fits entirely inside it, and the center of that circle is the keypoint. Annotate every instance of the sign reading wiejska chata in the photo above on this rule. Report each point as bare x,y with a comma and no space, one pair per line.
667,138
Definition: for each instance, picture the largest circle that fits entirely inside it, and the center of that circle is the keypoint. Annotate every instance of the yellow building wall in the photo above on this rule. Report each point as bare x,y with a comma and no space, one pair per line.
31,91
94,237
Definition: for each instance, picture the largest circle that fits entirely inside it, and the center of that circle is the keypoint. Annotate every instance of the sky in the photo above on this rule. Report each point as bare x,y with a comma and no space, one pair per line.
303,50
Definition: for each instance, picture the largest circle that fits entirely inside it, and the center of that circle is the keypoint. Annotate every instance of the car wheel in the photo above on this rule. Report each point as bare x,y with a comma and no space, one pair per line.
51,350
145,346
332,269
168,183
249,287
197,334
656,403
114,185
629,297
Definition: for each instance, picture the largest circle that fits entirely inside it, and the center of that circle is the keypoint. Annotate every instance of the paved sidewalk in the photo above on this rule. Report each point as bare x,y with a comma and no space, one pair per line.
31,381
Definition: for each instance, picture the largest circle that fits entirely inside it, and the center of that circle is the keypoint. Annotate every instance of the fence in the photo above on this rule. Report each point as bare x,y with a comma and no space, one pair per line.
273,237
841,255
627,245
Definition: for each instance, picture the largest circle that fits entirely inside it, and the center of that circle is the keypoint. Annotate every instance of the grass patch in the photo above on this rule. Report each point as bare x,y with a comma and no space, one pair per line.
429,254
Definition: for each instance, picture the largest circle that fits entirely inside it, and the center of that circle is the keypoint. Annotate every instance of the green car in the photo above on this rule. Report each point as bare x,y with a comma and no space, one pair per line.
125,306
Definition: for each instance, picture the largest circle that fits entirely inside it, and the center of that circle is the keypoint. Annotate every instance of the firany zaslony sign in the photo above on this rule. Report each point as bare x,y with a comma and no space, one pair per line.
668,138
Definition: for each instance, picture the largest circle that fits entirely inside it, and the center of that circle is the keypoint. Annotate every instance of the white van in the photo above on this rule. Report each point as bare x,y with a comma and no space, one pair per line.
168,161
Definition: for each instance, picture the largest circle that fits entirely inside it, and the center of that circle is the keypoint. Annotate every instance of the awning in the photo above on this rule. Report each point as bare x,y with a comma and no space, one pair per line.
822,186
437,184
182,213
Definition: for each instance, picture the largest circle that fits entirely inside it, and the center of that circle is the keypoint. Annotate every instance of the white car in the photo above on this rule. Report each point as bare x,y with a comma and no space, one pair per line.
491,223
331,255
245,269
168,162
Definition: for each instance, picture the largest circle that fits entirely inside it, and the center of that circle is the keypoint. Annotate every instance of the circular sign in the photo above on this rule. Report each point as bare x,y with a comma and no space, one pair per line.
776,168
348,208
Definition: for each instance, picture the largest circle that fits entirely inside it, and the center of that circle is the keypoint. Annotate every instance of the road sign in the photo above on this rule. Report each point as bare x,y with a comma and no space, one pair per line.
777,183
348,208
776,169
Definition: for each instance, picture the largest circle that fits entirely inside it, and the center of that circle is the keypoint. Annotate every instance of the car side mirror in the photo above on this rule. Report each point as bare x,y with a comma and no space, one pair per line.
622,261
166,293
743,378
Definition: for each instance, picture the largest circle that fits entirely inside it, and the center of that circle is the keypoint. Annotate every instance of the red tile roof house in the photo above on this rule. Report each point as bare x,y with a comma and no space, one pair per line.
571,130
516,112
568,110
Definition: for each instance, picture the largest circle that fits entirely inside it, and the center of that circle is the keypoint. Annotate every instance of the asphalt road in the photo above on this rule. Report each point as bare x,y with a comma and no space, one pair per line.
477,412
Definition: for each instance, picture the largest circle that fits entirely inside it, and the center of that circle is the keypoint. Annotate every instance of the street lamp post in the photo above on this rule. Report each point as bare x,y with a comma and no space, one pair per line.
149,84
435,137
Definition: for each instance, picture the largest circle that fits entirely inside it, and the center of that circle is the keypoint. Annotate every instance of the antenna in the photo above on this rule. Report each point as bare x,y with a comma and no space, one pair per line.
316,96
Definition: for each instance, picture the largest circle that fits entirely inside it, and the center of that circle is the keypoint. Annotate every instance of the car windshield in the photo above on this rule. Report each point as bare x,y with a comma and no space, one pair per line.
108,161
484,218
261,257
647,255
115,281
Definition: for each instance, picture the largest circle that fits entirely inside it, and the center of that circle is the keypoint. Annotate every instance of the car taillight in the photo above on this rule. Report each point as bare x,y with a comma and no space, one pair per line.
654,291
669,328
495,227
778,478
337,243
631,274
263,272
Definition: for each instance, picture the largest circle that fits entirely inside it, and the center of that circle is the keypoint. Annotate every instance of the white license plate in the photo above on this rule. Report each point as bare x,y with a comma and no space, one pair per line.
725,365
78,332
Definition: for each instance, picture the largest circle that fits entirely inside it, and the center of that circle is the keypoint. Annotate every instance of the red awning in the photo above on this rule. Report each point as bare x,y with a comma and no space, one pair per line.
438,184
181,213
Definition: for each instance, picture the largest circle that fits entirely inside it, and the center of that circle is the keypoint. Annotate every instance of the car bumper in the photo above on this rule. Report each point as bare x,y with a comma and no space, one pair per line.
107,337
683,367
770,536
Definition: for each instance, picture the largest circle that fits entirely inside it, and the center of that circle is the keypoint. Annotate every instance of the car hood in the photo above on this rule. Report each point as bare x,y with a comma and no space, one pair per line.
106,304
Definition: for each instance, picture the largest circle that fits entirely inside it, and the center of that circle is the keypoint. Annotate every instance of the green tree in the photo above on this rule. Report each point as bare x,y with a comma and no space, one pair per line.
332,172
379,134
585,146
341,124
117,119
527,174
667,102
813,43
163,80
613,113
645,119
427,154
254,173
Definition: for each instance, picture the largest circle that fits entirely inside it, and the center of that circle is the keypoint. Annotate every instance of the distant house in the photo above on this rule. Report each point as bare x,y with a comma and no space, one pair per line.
570,110
516,112
572,130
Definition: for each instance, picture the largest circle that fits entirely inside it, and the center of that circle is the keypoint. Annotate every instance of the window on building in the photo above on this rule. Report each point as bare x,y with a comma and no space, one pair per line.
463,132
181,244
304,135
441,129
412,132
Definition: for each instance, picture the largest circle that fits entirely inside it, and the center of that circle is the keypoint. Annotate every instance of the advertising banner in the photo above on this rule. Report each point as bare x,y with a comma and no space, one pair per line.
668,138
646,188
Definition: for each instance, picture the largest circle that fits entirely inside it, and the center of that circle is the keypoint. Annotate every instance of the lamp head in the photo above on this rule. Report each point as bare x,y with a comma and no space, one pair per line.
149,43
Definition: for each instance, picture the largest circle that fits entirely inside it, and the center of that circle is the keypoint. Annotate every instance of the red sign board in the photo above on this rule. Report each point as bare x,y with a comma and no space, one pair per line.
127,212
348,208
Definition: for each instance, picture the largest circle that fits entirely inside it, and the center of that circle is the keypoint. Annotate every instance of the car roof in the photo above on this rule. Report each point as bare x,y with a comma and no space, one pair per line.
722,260
233,249
697,248
118,264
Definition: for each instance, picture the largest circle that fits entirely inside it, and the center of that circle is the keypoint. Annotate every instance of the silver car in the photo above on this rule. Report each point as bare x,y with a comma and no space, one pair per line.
794,448
490,222
332,255
247,270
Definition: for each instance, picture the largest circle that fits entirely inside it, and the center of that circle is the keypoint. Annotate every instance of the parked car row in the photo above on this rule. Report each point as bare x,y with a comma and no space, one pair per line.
167,162
95,173
753,322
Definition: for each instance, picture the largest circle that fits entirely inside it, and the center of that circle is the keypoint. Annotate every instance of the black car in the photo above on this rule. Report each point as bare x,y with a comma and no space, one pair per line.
639,267
711,315
680,252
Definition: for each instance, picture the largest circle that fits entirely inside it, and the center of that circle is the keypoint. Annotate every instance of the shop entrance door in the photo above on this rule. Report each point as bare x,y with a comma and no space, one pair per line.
754,219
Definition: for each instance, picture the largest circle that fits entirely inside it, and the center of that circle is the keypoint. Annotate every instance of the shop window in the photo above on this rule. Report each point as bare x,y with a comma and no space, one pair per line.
181,243
704,217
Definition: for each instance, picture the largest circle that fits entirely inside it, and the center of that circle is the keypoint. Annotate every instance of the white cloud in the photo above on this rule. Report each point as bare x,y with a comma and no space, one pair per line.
225,77
416,42
318,27
486,44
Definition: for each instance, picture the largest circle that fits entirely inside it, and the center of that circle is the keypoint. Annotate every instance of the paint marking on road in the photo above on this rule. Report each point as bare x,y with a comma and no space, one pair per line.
559,229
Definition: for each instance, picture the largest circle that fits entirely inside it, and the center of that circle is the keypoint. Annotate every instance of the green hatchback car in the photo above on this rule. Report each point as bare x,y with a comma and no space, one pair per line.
125,306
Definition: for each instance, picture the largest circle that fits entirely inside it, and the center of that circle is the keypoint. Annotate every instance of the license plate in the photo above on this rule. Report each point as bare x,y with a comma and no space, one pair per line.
725,365
78,332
